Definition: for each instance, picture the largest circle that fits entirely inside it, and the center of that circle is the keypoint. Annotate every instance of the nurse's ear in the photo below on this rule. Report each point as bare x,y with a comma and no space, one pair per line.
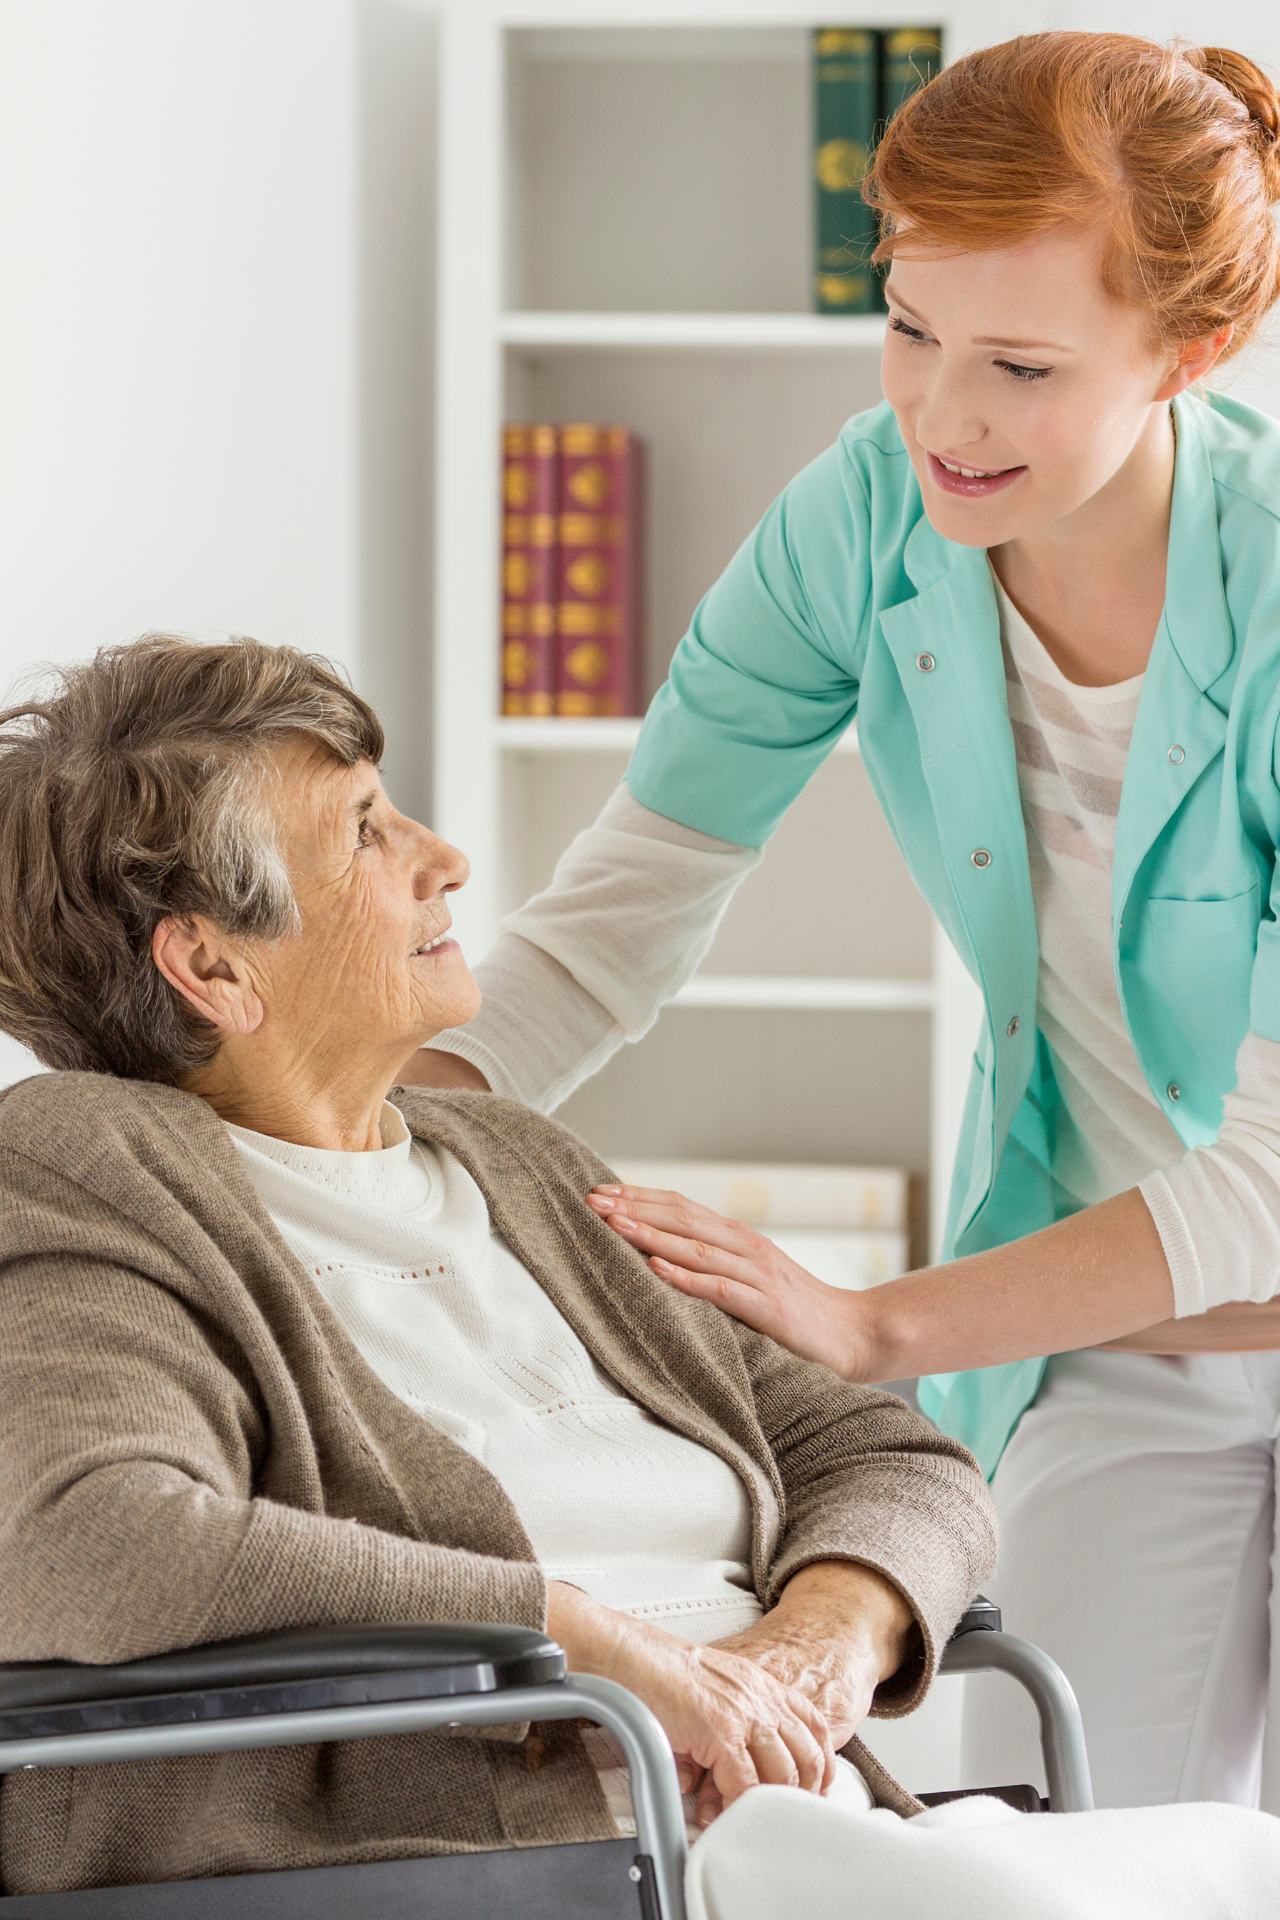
1193,363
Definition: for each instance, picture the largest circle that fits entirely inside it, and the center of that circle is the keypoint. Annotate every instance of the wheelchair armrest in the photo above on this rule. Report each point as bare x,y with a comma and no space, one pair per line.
297,1670
980,1616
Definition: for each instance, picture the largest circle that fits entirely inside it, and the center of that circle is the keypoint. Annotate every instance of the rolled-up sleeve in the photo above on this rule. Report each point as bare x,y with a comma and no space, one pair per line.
764,682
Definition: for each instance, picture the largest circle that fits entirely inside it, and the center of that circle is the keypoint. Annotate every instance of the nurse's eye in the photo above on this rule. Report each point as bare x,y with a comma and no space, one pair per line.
1024,373
913,334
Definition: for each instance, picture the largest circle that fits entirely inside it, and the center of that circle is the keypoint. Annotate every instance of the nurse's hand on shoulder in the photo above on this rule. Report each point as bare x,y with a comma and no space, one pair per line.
740,1271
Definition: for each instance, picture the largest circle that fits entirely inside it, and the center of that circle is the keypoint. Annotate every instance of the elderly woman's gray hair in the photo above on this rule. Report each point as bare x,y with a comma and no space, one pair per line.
132,790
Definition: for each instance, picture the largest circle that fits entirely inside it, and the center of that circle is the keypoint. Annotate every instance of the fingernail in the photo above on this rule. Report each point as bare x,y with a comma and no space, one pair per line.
662,1266
601,1201
622,1220
608,1189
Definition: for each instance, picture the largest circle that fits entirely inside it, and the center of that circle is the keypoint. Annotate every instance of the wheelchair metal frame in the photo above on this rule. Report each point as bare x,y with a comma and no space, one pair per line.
658,1868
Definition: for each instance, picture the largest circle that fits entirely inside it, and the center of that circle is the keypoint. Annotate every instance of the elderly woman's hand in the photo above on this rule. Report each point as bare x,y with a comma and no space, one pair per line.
837,1631
740,1271
732,1723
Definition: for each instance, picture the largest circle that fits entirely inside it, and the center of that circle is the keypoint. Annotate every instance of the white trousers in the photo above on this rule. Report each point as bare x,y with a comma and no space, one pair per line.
1137,1502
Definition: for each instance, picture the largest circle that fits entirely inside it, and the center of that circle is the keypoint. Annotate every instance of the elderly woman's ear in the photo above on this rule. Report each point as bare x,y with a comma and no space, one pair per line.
209,971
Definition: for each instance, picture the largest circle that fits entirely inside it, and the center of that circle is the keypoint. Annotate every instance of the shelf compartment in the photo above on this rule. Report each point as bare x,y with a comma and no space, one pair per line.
726,430
712,332
800,994
618,144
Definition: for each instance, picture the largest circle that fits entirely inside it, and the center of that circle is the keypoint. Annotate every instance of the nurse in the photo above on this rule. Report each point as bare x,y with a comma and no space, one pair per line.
1045,576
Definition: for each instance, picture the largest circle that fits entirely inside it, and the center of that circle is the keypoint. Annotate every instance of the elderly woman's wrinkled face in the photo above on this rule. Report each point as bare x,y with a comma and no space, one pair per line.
372,957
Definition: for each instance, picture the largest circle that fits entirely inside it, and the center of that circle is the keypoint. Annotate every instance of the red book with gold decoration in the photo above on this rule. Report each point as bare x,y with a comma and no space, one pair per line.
599,610
530,492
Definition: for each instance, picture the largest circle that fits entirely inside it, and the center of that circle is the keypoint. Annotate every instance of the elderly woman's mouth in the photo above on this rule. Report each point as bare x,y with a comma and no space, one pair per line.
438,945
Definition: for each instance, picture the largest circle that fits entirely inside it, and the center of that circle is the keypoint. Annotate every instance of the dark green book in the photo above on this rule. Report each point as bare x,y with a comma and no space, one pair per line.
846,71
912,55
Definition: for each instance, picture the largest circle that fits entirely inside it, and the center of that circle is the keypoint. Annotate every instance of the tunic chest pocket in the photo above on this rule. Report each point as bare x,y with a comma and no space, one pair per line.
1205,952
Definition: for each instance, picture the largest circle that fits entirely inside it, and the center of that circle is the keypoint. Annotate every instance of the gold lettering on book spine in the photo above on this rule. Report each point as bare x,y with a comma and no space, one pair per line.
587,664
517,485
588,575
840,165
841,289
517,575
530,530
517,664
580,619
591,530
580,442
833,40
587,706
588,486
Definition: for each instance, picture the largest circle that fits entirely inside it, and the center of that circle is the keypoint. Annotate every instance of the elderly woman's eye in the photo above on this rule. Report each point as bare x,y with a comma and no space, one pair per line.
364,836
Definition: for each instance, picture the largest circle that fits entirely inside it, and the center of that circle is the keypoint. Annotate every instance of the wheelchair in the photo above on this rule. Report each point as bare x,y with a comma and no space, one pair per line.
349,1683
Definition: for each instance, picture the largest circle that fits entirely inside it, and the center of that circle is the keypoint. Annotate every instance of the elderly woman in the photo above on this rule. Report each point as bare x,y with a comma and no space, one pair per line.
276,1349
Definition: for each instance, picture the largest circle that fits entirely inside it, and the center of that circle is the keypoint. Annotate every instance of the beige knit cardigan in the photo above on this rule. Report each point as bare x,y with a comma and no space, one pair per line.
191,1448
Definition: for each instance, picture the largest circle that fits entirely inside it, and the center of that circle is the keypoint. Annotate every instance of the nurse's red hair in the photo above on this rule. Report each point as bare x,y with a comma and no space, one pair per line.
1175,150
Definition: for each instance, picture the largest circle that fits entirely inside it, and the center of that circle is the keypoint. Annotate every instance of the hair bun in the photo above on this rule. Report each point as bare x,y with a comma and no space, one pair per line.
1256,93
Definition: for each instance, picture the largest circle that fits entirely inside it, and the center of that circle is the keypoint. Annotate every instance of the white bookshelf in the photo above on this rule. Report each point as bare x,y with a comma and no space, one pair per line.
624,235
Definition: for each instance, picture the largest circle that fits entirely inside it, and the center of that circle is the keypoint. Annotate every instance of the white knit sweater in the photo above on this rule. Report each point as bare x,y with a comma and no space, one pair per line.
399,1244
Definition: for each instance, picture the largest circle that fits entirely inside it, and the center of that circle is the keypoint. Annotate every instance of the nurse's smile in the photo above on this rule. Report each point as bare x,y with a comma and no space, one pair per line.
970,482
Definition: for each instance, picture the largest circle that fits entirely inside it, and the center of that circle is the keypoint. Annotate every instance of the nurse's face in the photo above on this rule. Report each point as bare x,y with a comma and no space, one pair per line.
1022,388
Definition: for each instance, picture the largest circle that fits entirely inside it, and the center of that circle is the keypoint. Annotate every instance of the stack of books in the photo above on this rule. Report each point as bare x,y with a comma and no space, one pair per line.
847,1225
572,571
861,78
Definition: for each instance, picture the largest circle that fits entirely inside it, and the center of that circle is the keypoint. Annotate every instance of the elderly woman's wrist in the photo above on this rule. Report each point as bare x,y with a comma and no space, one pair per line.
870,1610
588,1631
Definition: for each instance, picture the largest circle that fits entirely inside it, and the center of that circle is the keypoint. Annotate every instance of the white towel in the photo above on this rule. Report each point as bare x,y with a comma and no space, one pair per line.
778,1852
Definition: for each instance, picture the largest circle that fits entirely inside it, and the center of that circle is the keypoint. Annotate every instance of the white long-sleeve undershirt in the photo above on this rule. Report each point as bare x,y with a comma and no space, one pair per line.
633,906
589,964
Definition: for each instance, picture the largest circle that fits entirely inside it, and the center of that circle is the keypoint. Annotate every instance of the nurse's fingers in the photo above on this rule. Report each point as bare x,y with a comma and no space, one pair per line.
674,1213
757,1256
823,1326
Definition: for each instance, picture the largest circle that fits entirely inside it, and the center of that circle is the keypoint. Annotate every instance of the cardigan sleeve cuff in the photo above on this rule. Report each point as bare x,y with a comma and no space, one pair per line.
930,1534
1179,1246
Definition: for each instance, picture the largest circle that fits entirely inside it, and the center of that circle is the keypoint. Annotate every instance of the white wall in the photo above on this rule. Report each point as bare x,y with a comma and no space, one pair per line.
215,340
215,326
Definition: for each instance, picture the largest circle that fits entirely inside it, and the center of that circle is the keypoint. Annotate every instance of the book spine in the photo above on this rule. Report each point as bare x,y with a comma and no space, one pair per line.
846,74
911,57
530,493
599,600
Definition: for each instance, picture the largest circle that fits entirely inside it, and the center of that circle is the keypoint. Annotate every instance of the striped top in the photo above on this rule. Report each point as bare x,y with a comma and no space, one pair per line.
1072,743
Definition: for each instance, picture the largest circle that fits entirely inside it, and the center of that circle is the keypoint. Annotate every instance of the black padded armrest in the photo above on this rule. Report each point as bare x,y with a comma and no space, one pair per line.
980,1616
298,1670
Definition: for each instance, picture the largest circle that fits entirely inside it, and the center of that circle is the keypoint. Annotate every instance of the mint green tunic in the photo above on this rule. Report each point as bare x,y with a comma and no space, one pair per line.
845,602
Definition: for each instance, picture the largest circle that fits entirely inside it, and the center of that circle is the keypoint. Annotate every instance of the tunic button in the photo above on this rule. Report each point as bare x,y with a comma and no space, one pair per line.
1173,1090
1177,756
926,662
980,857
1013,1026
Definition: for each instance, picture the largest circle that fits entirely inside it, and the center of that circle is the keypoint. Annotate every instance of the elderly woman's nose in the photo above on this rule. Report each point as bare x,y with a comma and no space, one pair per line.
440,867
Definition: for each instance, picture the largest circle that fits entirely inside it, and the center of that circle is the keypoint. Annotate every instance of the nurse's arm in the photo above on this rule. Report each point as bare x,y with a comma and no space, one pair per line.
1243,1326
1086,1281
